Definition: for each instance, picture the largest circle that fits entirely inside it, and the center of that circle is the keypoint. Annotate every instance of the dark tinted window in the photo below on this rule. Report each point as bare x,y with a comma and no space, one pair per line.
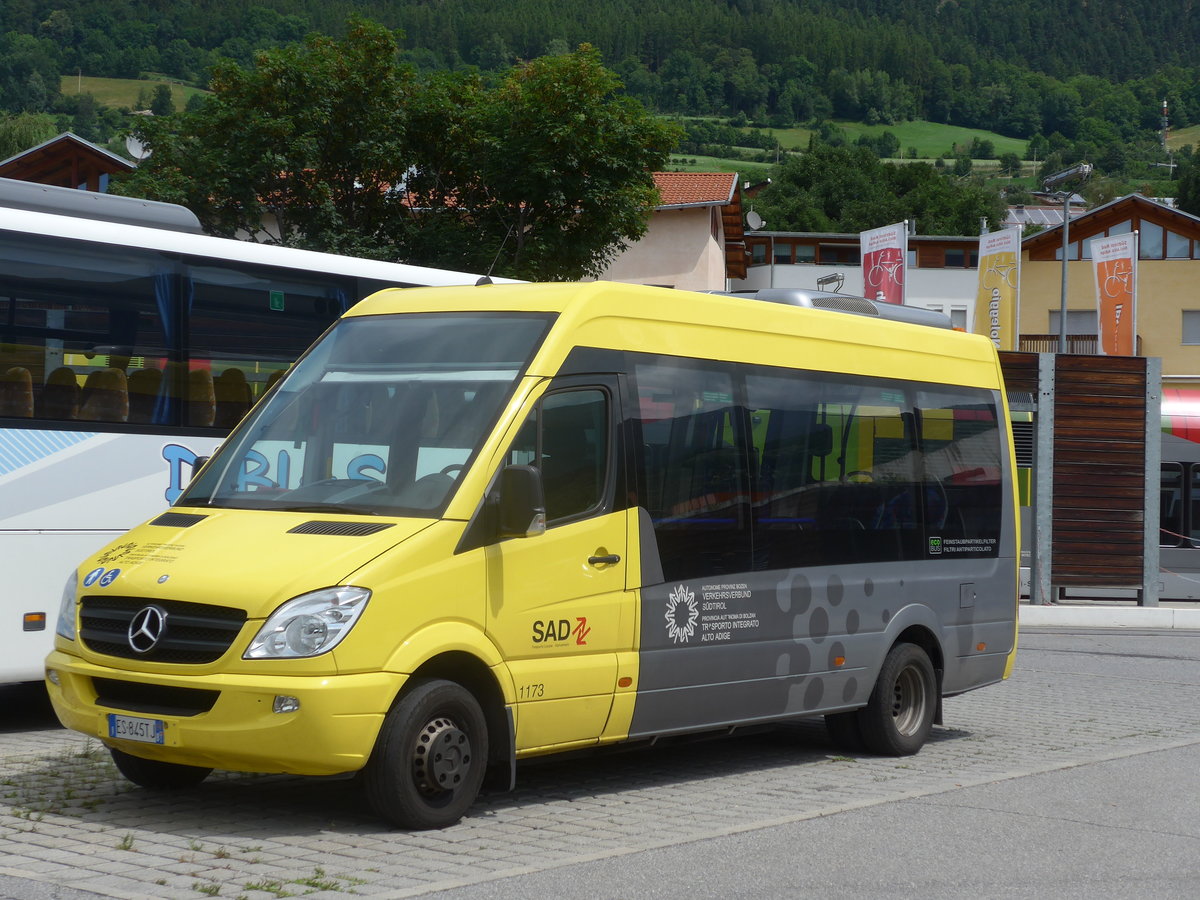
570,447
963,473
836,471
1170,506
119,334
755,468
696,484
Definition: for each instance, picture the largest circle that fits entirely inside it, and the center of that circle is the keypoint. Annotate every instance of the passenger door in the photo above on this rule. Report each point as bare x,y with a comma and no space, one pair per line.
557,604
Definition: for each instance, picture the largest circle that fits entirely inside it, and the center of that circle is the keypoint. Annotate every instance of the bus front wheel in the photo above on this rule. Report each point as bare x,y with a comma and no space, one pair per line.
430,757
155,775
899,714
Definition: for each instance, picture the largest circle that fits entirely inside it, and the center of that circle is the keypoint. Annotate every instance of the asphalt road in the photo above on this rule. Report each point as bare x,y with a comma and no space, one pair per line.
1079,777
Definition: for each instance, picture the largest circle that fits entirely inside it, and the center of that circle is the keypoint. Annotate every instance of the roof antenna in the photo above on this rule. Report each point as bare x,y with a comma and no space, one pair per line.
500,250
484,279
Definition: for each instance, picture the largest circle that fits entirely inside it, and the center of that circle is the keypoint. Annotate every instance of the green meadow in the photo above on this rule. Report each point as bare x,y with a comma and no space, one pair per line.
124,91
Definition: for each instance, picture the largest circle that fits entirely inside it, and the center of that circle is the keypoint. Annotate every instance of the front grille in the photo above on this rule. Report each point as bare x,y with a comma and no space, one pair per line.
194,633
156,699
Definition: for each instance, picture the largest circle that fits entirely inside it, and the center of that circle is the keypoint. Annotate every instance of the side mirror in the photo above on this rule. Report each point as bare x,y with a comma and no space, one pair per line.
522,507
197,466
820,440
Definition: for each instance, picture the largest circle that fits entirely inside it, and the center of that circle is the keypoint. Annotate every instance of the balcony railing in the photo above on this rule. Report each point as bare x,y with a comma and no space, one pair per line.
1081,344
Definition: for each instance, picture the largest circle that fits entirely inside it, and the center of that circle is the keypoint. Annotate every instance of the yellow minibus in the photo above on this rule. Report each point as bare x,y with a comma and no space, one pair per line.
478,524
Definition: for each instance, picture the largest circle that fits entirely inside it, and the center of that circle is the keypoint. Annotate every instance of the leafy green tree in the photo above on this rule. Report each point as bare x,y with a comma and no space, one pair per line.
332,145
847,189
161,103
547,176
20,132
1187,195
85,120
303,149
29,73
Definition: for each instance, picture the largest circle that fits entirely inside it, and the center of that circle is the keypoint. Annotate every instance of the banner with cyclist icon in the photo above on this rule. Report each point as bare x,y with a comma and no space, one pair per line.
1114,262
998,296
884,252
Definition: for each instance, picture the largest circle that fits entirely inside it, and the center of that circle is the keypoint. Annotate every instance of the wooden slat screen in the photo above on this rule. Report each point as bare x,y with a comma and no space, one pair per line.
1099,471
1099,482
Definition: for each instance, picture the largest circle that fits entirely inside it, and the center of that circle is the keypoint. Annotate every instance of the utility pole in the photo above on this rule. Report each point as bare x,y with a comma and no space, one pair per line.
1062,185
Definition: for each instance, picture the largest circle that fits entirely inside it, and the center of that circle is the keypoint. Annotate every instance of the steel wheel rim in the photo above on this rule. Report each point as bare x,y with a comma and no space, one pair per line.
441,757
909,700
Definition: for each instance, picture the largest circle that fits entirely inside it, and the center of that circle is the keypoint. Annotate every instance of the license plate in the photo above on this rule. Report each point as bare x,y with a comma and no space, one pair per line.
133,728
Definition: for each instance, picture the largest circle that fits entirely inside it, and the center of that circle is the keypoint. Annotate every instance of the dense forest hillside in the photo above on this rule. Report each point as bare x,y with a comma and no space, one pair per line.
1091,70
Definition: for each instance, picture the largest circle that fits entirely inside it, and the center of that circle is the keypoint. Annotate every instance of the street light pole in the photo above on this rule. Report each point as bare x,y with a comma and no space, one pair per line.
1062,181
1062,304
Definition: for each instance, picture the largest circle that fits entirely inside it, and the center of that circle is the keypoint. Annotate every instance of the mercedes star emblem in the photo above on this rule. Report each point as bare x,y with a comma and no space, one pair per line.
147,628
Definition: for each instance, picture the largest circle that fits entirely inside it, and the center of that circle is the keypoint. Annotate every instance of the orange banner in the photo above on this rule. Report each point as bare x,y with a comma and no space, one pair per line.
884,252
1114,262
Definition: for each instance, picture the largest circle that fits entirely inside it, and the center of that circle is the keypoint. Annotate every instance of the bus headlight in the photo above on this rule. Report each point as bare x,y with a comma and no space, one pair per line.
66,609
309,625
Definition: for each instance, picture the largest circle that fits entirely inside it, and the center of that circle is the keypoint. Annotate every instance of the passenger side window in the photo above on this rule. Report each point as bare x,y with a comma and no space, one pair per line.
1170,507
836,471
567,437
694,453
963,477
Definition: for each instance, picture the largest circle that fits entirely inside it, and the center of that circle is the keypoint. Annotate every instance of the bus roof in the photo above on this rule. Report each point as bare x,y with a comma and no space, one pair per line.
103,230
63,201
715,326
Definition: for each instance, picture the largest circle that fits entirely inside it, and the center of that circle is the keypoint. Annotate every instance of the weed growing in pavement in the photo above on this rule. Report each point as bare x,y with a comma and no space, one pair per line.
210,889
126,843
321,882
270,887
92,750
318,881
67,784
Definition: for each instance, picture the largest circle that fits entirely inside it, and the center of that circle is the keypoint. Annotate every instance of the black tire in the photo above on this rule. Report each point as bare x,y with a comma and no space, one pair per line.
430,757
155,775
899,714
844,732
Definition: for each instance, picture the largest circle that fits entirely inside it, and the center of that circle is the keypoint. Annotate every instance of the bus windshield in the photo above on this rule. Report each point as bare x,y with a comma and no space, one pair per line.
380,418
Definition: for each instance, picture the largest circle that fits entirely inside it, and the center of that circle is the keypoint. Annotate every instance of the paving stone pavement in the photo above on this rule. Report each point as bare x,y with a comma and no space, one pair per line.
71,826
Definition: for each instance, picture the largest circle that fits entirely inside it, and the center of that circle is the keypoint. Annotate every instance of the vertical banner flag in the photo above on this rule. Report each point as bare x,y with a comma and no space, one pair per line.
884,252
1114,260
999,284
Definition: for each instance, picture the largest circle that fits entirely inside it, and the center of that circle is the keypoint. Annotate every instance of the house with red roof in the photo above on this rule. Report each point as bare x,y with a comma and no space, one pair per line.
695,239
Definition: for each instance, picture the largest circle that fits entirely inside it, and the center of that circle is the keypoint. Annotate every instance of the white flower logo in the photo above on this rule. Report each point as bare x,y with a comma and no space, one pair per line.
682,614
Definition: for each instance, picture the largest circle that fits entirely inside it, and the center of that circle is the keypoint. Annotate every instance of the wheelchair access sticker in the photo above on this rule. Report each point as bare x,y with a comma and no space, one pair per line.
103,577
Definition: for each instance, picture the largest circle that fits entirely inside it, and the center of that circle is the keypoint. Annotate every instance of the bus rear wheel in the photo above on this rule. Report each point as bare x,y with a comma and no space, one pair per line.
155,775
429,760
898,716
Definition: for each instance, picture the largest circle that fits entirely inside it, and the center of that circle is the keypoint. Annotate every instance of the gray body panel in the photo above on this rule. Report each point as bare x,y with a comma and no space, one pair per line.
762,647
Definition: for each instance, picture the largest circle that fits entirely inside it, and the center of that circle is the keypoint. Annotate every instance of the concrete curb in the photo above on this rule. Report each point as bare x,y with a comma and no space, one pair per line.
1109,617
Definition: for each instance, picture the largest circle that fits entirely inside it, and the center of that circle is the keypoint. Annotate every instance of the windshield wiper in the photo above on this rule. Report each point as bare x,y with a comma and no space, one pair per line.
327,508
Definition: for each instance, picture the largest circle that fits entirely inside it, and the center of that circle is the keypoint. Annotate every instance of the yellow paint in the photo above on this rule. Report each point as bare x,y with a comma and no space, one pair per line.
558,635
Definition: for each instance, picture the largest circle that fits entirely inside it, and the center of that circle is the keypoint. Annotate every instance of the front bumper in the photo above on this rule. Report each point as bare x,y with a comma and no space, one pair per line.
332,731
